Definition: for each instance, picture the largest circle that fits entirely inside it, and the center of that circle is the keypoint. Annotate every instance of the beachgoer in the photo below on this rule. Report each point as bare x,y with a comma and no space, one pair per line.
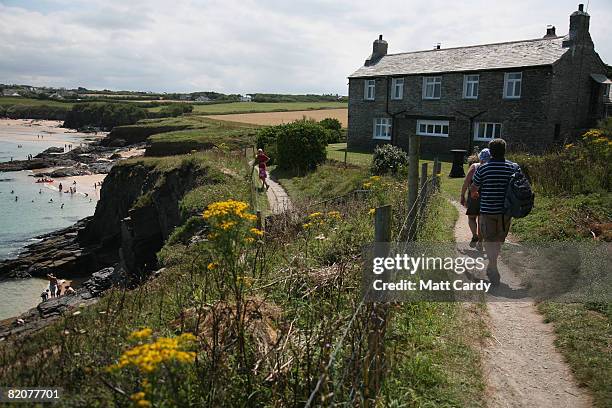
12,191
74,183
473,204
492,180
50,200
45,295
69,290
40,191
62,207
16,198
60,187
52,284
261,161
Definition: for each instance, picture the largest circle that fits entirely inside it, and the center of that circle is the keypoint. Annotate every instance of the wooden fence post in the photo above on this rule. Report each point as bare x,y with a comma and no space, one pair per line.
345,154
423,188
374,361
413,183
435,182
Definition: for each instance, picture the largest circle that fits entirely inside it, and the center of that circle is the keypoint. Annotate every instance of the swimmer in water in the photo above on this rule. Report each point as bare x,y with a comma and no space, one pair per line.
50,200
16,198
62,207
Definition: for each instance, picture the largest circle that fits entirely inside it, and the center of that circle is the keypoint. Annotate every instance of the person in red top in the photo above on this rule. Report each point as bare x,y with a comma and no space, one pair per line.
261,160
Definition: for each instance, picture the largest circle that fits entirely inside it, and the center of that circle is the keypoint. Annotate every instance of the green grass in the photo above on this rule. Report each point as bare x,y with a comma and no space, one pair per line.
335,151
253,107
13,100
202,134
583,336
329,180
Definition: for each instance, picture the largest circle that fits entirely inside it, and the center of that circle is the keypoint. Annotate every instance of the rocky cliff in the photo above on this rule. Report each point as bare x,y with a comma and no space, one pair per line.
137,211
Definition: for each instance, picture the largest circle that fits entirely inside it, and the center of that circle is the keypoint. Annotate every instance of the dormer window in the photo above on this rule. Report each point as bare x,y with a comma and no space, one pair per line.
397,88
512,85
369,90
432,87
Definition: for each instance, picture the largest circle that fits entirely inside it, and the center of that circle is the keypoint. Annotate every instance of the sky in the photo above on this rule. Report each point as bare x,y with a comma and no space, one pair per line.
249,46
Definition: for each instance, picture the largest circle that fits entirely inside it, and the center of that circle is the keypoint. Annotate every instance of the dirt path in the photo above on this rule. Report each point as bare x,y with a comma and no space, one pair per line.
277,198
522,367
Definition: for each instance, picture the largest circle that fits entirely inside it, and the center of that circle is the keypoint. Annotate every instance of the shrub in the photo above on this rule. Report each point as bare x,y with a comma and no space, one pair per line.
334,129
388,159
300,146
266,140
103,115
580,168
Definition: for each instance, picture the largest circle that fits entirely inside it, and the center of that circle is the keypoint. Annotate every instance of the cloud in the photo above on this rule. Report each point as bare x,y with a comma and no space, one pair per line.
250,45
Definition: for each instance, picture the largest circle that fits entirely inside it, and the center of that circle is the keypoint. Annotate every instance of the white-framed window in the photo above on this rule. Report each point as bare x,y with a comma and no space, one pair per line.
607,94
369,89
382,128
486,131
432,87
432,128
470,86
397,88
512,85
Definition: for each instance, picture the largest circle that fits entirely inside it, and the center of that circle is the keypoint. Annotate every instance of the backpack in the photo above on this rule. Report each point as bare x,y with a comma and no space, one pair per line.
519,196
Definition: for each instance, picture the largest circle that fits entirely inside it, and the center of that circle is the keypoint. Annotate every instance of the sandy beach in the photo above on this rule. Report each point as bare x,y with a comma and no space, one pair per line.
84,185
21,130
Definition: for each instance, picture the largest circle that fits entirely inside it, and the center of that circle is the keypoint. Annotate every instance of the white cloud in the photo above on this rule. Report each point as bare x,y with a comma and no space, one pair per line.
250,45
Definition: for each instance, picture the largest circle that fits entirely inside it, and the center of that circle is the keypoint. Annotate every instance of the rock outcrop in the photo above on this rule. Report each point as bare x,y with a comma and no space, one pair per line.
46,312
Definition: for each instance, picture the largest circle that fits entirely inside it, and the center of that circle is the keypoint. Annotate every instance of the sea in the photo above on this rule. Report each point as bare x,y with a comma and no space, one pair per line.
29,209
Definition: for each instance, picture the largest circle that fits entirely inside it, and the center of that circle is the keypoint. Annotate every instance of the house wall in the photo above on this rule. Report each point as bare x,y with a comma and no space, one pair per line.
572,86
525,122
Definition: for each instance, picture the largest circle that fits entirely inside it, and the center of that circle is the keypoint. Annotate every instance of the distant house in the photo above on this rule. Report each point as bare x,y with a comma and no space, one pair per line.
202,98
533,93
246,98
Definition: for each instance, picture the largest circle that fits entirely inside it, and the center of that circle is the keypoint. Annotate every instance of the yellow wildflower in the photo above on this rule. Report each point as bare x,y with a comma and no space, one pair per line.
257,231
372,211
246,280
211,266
307,225
367,185
141,334
147,357
569,146
143,404
225,225
137,396
249,240
315,214
375,178
333,214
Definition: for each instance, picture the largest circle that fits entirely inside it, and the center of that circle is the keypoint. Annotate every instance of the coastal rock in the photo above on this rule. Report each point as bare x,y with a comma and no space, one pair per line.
51,150
46,312
67,172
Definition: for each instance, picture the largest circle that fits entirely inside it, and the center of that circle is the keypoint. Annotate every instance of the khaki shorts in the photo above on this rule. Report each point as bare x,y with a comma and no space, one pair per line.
494,227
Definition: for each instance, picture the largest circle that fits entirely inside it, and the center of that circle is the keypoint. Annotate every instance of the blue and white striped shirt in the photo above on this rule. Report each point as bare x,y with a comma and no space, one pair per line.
493,178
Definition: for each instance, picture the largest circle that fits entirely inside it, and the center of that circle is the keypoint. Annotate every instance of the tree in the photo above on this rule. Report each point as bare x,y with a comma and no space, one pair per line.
300,146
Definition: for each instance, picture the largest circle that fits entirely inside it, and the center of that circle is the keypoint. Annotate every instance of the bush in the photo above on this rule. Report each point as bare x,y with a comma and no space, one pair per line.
579,168
334,129
103,115
175,109
266,140
388,159
300,146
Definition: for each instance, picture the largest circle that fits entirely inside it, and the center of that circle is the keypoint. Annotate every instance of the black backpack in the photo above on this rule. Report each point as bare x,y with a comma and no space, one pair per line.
519,196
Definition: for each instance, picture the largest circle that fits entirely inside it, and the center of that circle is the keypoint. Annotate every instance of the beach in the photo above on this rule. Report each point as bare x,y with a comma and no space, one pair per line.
29,209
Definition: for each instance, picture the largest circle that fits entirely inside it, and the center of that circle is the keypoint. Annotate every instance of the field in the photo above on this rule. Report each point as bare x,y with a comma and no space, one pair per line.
254,107
13,100
277,118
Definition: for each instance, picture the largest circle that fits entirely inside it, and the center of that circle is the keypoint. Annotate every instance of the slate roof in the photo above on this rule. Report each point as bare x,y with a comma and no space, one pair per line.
543,51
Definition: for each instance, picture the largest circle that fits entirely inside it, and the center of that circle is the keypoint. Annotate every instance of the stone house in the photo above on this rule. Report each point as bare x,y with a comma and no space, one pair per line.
533,93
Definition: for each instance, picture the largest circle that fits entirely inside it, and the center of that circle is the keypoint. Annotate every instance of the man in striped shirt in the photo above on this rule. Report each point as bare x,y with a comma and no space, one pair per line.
491,181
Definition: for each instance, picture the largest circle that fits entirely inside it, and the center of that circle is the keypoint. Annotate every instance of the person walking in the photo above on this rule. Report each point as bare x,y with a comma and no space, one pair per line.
261,160
472,205
491,180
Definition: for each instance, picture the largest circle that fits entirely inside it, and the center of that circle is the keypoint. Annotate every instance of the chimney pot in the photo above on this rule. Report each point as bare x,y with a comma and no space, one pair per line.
581,7
380,37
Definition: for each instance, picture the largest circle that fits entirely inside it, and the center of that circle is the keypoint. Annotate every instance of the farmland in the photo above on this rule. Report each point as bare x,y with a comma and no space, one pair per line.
253,107
277,118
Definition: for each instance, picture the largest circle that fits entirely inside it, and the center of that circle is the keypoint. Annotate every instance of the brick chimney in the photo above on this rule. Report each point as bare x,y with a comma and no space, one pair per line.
550,32
579,28
379,50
